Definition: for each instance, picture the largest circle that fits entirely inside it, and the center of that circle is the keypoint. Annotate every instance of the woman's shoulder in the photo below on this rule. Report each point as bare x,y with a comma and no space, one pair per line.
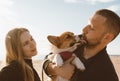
13,70
12,66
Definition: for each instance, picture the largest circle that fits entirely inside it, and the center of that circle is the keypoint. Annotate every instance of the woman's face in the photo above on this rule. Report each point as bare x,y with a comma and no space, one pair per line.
28,45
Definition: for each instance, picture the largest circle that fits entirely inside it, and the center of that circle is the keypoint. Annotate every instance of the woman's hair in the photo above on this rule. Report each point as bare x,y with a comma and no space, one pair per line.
14,52
113,21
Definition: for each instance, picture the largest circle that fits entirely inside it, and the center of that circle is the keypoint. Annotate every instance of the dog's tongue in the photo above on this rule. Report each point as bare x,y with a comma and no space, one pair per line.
66,55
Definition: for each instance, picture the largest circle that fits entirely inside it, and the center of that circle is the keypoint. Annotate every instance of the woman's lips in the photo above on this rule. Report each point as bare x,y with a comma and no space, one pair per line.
33,50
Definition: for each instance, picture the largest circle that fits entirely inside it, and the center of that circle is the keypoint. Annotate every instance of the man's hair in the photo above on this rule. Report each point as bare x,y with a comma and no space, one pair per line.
112,20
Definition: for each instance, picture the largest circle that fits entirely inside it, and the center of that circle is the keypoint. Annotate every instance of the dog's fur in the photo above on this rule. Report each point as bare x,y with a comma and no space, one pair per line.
67,41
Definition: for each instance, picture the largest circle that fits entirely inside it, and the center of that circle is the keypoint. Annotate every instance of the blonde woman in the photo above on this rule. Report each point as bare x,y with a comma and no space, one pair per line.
20,48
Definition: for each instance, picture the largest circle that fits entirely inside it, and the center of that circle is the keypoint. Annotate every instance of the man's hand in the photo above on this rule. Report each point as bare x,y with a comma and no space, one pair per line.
65,71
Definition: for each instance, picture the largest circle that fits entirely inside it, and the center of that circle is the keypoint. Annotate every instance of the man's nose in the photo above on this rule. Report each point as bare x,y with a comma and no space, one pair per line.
86,29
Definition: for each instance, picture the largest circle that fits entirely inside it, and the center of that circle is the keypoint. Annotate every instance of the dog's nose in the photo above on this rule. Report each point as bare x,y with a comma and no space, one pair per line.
78,37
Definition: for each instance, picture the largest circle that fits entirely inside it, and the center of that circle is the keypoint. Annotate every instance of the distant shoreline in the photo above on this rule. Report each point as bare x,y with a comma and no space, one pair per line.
42,59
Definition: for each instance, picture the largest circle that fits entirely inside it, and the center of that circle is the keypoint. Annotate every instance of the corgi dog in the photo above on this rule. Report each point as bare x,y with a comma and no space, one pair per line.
62,49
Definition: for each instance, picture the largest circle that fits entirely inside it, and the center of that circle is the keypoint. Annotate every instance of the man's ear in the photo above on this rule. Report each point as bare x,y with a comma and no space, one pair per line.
108,37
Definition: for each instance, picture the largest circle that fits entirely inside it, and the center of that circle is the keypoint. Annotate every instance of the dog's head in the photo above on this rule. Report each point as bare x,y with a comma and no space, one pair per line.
66,41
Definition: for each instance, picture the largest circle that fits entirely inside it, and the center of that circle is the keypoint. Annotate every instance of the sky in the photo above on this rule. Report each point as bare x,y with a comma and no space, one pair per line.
51,17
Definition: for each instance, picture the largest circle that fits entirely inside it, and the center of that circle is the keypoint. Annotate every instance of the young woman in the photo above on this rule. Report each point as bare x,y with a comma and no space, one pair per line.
20,48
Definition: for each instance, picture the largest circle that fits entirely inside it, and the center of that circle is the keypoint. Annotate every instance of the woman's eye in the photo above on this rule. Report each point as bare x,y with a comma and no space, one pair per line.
25,43
32,39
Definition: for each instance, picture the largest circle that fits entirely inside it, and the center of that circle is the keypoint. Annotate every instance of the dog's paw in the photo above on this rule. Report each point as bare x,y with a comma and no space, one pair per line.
81,67
78,63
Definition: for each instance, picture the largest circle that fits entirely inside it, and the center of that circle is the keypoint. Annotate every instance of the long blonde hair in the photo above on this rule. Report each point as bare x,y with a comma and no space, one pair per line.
14,52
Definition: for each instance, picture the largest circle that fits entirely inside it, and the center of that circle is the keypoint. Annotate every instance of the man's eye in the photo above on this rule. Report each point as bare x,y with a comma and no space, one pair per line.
91,27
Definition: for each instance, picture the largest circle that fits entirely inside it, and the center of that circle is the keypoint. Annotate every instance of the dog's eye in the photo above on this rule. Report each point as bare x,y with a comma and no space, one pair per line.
68,36
72,44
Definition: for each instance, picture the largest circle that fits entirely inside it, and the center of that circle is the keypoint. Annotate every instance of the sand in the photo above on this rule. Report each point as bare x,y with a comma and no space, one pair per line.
38,63
116,62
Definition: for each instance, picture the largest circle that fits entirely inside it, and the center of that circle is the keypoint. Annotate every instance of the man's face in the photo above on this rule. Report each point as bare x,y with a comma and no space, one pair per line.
95,30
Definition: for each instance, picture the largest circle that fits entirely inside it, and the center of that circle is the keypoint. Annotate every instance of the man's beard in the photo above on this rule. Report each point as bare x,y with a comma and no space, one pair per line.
93,44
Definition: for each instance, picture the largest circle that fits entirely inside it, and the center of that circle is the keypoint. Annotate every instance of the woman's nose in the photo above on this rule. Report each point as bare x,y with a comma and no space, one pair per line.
32,44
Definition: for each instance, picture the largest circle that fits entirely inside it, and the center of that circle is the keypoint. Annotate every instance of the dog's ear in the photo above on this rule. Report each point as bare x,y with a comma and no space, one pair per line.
54,40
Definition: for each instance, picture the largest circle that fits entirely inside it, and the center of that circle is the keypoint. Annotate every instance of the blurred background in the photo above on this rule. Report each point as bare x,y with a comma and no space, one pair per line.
51,17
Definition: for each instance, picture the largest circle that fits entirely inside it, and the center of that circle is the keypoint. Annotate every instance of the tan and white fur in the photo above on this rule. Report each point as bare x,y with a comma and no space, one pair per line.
67,41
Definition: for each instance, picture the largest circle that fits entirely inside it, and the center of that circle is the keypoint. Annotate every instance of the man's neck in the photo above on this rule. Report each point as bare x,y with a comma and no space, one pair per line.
92,51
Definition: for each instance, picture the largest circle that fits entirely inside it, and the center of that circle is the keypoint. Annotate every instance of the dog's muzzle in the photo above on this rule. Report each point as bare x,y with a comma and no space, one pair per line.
78,38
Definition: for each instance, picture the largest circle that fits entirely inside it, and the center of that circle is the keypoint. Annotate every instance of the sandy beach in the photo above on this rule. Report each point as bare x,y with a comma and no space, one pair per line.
115,60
